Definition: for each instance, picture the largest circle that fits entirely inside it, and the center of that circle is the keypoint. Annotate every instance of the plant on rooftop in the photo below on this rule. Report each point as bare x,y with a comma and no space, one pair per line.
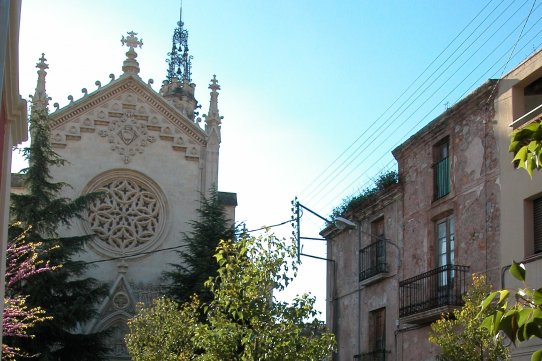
382,182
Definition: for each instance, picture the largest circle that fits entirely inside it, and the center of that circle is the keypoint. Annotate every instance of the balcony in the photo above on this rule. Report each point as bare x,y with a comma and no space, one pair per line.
425,297
372,263
531,116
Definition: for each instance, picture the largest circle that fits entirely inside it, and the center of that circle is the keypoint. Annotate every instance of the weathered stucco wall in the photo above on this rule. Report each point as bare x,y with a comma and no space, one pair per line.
473,200
351,302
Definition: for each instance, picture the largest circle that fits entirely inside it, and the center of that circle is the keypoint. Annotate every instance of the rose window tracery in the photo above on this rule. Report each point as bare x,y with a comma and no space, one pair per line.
130,216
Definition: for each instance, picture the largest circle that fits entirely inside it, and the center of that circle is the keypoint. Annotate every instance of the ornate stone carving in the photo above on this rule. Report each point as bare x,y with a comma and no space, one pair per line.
127,136
130,217
120,300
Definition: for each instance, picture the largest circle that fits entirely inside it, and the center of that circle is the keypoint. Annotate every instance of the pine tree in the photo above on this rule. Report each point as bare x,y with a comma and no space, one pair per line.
65,294
197,262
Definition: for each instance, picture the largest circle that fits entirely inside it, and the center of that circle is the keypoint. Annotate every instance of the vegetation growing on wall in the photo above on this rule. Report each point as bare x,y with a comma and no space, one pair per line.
349,204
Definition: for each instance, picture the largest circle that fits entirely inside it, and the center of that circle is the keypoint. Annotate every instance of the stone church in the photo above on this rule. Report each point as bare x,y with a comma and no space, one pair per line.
147,151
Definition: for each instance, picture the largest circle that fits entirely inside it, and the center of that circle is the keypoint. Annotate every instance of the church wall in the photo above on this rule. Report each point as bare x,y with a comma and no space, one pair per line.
178,179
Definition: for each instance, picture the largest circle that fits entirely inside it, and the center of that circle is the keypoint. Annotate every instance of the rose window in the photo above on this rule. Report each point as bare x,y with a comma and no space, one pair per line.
129,218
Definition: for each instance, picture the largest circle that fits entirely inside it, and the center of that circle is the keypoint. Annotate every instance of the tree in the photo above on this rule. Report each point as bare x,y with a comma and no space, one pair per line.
526,145
164,331
521,318
460,336
196,262
65,294
23,261
243,321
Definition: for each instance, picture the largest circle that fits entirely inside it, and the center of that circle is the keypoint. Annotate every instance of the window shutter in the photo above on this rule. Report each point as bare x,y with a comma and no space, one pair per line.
537,220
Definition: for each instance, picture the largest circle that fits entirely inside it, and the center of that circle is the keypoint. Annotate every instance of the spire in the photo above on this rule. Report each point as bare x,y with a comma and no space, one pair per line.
213,118
130,65
180,63
213,106
40,100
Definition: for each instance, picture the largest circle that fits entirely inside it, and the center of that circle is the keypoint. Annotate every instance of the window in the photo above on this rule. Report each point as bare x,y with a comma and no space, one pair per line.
442,169
445,248
378,332
537,224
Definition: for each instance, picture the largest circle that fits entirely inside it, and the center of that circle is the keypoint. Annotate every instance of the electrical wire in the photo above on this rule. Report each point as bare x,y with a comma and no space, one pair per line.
403,92
387,124
315,194
177,247
513,49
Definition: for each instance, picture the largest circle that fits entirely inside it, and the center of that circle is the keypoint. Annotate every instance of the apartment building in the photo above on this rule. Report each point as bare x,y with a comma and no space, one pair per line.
444,219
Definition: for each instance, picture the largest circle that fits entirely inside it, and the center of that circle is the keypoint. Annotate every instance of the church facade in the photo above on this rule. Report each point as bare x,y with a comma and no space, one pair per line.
148,154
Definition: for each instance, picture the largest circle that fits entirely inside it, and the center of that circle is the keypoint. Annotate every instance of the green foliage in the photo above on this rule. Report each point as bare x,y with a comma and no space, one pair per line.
164,331
526,144
352,203
197,262
243,321
64,294
460,336
520,318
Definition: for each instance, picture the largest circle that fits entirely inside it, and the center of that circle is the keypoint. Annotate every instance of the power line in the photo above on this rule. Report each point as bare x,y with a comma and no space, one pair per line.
404,92
329,178
176,247
513,49
387,124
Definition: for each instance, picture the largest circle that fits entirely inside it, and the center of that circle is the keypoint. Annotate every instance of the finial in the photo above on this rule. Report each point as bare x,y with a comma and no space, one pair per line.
213,117
180,62
40,100
131,65
214,84
131,41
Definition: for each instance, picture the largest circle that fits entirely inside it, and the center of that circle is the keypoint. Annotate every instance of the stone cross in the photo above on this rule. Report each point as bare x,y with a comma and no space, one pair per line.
132,41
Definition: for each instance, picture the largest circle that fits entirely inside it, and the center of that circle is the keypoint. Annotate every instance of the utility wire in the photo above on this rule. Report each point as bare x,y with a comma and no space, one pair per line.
464,79
176,247
387,124
513,49
453,74
402,93
408,88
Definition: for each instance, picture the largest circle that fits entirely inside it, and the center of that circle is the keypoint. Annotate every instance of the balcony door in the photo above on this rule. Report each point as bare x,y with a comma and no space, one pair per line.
445,249
379,251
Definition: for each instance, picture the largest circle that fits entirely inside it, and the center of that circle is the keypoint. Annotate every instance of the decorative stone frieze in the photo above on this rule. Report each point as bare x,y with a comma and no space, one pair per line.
129,126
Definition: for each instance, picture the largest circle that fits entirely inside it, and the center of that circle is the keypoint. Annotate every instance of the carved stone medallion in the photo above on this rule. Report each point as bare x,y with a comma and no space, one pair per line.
127,136
130,216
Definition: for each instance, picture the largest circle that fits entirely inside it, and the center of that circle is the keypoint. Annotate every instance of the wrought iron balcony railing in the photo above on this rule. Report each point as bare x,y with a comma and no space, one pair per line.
372,260
443,286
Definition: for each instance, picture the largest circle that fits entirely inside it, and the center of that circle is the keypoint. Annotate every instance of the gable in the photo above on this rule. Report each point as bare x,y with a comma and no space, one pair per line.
131,116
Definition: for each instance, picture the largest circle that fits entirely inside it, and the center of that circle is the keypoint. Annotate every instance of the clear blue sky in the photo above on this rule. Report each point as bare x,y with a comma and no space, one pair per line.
301,82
